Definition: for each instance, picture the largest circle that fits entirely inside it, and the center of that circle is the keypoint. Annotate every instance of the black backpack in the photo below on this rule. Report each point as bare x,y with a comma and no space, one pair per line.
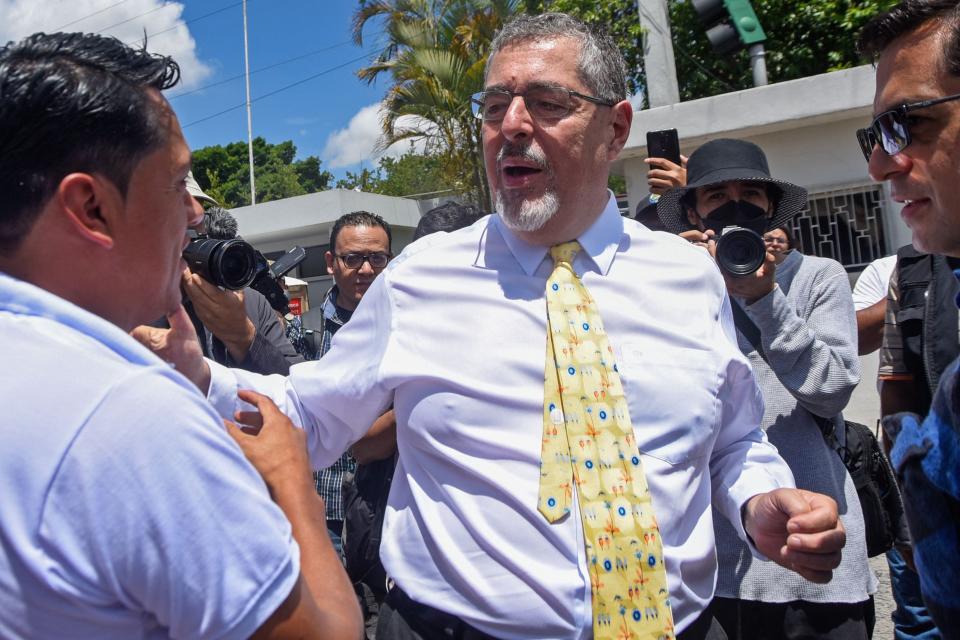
364,505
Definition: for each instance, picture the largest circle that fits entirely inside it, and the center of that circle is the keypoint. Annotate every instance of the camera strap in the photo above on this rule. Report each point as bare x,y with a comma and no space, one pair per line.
751,332
748,328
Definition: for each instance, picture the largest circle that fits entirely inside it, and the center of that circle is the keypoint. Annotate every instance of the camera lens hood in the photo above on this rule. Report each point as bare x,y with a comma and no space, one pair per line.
740,251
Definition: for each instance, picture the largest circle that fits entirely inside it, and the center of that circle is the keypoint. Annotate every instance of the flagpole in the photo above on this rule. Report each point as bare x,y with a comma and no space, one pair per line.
246,62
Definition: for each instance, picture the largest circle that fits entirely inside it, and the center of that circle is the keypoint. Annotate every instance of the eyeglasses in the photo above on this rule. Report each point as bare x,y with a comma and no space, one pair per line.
355,260
892,128
774,240
868,140
543,103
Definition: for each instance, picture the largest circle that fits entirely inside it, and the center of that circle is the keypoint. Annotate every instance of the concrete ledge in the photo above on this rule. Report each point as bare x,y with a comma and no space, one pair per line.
314,214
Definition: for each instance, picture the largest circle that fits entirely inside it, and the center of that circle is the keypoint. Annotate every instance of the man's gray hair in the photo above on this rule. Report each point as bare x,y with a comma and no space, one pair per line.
601,66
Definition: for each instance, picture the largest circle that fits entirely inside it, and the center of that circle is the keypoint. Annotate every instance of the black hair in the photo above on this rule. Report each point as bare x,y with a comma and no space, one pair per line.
791,240
449,216
359,219
909,16
220,223
73,102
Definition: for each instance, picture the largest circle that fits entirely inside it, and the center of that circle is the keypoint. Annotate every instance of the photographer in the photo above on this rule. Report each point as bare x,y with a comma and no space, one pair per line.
235,328
802,307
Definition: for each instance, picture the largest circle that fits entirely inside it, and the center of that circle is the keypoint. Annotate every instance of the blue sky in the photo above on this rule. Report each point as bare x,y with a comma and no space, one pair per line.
333,116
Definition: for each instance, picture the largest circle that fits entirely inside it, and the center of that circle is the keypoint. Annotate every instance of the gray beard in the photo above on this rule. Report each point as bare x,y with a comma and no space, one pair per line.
528,215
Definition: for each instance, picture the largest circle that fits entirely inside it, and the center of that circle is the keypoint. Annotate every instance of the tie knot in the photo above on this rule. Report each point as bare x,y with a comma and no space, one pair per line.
565,252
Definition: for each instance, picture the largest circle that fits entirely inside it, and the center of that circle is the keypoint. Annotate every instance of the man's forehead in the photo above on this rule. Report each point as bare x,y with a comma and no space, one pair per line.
361,234
548,61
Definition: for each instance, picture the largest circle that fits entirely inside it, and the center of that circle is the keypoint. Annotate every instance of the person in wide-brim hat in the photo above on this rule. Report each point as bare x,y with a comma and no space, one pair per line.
728,160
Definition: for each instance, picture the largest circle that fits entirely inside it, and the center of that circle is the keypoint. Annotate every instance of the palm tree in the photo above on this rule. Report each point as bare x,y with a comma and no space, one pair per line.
435,56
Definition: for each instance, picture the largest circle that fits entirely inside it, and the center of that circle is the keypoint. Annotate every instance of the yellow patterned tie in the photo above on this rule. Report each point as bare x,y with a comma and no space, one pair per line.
588,443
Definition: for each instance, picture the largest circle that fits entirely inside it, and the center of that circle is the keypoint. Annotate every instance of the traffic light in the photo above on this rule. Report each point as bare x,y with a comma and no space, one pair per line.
730,24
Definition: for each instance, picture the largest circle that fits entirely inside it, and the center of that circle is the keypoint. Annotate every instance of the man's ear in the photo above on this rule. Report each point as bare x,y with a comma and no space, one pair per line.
621,115
88,205
329,258
694,219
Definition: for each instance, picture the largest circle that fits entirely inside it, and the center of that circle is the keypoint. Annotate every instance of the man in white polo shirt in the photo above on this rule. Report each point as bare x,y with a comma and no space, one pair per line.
128,510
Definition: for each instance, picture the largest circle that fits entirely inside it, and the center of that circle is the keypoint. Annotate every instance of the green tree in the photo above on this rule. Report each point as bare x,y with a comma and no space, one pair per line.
434,57
804,38
223,172
411,174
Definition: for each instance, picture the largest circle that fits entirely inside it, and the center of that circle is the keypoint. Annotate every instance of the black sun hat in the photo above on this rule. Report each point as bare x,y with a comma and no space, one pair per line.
725,160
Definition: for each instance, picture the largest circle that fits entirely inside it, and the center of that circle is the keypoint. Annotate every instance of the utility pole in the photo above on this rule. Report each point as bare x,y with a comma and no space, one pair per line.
758,64
658,62
246,62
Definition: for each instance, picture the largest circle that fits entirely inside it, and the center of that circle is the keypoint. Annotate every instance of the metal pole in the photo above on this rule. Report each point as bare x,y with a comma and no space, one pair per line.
758,64
246,62
658,62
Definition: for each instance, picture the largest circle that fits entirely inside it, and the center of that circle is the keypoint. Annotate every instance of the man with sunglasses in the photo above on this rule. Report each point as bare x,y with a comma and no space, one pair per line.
359,251
916,46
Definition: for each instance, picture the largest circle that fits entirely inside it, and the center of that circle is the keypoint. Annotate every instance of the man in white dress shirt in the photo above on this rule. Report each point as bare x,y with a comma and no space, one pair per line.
453,333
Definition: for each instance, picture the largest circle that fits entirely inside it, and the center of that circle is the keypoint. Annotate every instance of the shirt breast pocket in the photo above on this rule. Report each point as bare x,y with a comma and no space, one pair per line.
672,395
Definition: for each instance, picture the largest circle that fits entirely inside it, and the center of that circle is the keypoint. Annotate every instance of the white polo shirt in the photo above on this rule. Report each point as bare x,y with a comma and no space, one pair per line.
127,510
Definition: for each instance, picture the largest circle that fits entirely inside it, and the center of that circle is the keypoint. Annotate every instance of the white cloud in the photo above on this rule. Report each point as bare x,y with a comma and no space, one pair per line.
166,31
356,143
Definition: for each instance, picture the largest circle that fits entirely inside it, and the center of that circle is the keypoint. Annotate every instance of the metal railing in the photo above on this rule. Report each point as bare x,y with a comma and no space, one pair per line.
843,224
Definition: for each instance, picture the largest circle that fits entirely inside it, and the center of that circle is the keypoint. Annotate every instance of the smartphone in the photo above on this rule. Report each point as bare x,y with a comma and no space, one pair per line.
664,144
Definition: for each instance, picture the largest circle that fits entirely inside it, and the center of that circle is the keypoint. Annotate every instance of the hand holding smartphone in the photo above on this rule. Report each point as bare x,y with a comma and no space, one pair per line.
664,144
667,168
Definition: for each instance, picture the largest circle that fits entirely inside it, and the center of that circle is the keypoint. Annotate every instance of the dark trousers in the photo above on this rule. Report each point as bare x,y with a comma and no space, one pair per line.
404,619
798,620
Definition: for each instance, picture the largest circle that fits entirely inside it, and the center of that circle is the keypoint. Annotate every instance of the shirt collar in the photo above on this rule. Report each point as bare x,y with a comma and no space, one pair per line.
600,241
331,310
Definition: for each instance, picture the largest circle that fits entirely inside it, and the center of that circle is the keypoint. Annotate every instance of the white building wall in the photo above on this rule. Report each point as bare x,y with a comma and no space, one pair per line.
806,127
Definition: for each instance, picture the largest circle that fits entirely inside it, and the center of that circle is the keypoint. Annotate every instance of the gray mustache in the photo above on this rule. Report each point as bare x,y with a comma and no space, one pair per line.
523,152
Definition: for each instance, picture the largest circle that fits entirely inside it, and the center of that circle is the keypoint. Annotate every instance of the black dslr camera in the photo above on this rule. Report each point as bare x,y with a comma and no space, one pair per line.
234,264
740,251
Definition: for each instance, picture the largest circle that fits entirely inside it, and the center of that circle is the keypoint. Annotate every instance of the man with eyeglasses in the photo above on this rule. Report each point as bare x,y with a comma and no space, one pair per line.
916,46
554,482
359,251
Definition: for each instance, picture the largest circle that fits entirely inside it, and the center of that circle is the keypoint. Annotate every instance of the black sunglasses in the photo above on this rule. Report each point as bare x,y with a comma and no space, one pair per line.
891,128
355,260
868,140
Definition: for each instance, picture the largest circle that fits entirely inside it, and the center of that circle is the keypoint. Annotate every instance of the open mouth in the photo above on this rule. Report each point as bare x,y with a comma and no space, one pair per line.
520,172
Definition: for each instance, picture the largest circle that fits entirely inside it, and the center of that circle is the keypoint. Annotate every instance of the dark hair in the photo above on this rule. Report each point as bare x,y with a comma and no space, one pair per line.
449,216
907,17
359,219
220,223
791,242
601,66
72,102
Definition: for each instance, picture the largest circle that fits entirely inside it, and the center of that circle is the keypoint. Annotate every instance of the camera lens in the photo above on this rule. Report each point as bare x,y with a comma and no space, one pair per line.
740,251
231,264
236,264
